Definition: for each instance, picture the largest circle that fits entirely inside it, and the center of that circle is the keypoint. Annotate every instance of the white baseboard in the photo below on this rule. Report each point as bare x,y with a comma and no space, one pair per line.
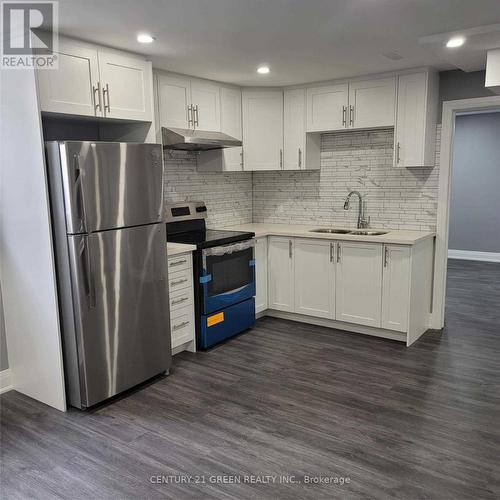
5,381
469,255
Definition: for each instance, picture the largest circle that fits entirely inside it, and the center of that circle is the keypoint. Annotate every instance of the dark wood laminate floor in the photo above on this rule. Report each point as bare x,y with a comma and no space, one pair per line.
288,399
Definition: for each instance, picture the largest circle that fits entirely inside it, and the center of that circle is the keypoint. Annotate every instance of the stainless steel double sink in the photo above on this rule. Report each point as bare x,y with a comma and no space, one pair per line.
357,232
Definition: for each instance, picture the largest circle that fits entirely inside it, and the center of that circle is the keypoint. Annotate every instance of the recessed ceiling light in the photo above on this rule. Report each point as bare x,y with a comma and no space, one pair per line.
263,70
145,38
457,41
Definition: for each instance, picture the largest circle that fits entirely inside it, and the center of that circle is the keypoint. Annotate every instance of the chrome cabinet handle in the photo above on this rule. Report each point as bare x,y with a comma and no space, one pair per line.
290,248
331,252
179,301
398,153
196,119
300,158
338,252
281,159
89,275
190,115
177,262
386,255
97,102
180,325
178,282
105,94
344,116
351,115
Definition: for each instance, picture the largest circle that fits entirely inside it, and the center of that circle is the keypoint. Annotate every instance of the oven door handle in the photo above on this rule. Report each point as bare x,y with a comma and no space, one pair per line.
236,290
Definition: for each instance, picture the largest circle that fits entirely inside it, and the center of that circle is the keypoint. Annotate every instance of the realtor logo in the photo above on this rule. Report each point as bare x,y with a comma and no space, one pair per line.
29,34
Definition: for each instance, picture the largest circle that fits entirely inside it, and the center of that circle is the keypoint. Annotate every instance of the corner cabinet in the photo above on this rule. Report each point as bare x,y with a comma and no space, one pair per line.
416,118
262,112
98,82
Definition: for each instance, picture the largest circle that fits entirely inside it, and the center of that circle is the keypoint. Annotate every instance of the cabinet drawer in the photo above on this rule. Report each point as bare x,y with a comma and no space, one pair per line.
179,280
179,262
182,326
180,298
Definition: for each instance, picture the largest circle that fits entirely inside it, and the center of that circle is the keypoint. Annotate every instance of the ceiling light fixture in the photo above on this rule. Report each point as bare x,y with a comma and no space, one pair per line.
145,38
454,42
263,70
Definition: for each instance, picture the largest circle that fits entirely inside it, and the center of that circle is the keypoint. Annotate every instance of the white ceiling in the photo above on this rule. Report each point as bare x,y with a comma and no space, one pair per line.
301,40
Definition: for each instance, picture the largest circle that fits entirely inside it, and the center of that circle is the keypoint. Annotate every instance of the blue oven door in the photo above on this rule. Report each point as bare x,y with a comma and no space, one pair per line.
228,275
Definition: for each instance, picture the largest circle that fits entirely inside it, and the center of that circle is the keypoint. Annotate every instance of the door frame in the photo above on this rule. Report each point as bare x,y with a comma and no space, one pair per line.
451,109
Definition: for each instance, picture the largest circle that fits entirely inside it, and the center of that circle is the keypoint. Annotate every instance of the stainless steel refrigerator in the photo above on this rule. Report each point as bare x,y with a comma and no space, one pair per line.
111,262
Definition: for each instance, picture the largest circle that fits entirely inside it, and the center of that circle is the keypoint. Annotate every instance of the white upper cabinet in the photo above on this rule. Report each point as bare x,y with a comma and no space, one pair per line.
416,117
294,129
174,101
205,99
372,103
92,81
359,283
227,159
327,108
73,87
262,129
396,287
280,273
126,86
314,264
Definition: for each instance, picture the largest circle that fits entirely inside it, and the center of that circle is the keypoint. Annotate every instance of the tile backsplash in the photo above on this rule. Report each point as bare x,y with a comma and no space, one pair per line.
228,196
397,198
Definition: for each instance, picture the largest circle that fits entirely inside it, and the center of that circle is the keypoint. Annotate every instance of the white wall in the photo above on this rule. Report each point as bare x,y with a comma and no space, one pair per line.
475,184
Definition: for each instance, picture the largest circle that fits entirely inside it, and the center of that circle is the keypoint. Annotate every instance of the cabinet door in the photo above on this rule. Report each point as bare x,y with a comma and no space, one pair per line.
314,266
396,287
231,125
174,99
261,274
327,108
372,103
127,86
205,97
294,129
359,283
262,129
280,273
410,120
72,88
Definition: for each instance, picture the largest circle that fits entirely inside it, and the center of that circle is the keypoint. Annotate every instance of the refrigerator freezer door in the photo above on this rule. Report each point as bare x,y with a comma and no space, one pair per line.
120,299
111,185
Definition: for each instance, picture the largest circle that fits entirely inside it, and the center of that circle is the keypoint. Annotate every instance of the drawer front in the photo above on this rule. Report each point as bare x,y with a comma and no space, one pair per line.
181,298
182,326
179,263
179,280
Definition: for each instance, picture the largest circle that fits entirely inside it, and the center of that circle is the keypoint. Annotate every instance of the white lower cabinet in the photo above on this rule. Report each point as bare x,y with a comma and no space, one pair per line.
281,273
261,274
396,287
314,276
359,283
181,301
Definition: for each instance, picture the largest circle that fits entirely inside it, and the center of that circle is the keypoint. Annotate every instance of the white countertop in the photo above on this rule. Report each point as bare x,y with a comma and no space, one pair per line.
178,248
395,236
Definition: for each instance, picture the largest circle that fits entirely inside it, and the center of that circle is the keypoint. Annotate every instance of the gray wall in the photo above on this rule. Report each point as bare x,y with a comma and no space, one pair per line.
475,191
4,362
456,84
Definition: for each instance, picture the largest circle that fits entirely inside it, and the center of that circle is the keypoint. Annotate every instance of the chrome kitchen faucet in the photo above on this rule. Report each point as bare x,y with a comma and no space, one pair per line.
363,222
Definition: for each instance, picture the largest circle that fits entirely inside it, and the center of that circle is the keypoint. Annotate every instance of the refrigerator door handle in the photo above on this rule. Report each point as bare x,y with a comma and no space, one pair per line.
89,274
80,200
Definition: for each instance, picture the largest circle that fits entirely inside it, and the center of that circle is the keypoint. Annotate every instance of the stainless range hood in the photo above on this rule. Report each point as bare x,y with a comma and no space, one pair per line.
196,140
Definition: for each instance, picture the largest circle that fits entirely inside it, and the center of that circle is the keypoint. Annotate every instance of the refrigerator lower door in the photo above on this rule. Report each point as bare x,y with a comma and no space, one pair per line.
120,302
